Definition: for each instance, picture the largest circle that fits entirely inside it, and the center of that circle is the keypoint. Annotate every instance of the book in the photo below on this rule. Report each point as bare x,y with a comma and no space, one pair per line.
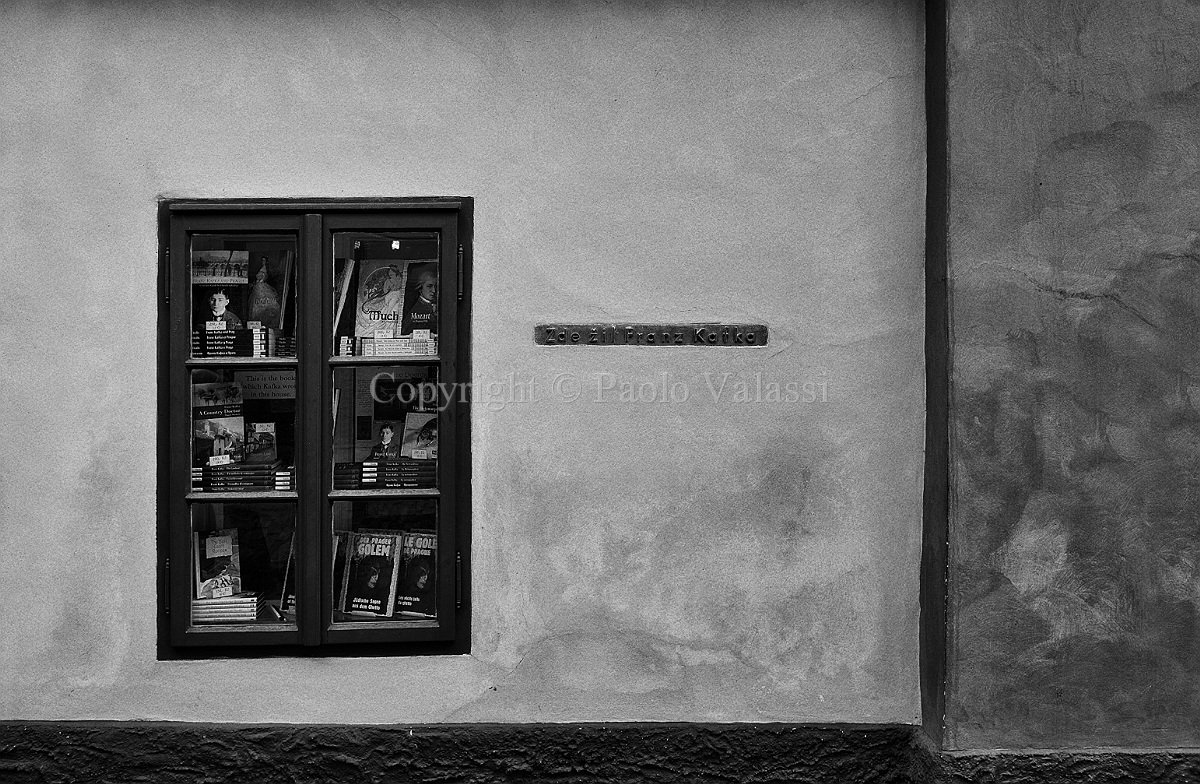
372,570
341,540
237,601
269,278
402,473
214,267
250,341
208,300
217,563
239,470
218,428
222,484
285,291
420,441
242,476
418,588
220,398
342,287
232,617
388,445
260,443
226,485
380,296
420,298
238,608
396,347
399,465
287,597
249,338
383,399
240,599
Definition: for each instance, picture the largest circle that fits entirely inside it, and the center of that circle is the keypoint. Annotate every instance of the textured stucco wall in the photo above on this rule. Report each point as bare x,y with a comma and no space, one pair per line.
724,559
1075,217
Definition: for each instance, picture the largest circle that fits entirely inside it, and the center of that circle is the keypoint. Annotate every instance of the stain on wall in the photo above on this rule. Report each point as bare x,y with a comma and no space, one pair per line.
714,546
1075,267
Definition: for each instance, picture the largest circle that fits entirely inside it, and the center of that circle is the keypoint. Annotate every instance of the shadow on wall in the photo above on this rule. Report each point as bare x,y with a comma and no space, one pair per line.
1076,443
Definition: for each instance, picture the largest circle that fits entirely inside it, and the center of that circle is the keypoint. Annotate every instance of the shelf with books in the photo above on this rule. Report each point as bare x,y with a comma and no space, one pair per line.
240,555
386,429
243,432
385,298
243,292
385,563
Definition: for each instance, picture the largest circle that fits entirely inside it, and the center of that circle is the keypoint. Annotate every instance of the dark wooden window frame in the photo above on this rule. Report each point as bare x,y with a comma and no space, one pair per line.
313,223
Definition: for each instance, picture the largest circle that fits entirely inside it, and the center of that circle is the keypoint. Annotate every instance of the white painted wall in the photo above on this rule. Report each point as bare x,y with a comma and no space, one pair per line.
704,560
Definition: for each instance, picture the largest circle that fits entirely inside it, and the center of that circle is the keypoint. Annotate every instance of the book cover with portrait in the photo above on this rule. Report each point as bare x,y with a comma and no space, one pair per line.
372,569
420,298
417,594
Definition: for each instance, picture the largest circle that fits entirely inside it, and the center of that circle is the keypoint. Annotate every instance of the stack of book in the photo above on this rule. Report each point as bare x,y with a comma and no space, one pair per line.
285,479
253,342
285,346
385,474
243,477
238,608
397,347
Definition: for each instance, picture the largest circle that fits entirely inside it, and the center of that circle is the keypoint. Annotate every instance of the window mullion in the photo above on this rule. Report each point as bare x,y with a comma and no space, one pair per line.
311,437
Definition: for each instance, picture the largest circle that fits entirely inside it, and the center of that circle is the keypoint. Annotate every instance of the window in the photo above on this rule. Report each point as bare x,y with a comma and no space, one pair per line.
314,489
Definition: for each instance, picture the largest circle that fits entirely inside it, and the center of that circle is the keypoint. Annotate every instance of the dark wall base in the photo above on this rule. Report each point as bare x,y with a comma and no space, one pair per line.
1100,767
578,754
165,753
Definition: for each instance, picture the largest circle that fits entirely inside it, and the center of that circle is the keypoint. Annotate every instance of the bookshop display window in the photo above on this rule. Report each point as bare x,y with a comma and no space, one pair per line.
314,447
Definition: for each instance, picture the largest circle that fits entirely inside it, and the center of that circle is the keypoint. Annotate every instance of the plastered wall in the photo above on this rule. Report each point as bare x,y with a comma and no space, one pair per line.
719,556
1074,222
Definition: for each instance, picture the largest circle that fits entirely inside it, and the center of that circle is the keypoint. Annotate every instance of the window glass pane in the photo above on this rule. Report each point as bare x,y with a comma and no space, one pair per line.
242,563
385,293
385,561
243,296
385,433
243,429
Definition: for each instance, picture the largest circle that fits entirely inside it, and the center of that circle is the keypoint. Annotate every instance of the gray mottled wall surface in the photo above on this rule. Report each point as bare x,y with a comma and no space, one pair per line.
705,550
1075,269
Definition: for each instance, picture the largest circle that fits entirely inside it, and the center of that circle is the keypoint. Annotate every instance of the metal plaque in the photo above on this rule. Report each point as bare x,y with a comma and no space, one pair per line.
725,335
